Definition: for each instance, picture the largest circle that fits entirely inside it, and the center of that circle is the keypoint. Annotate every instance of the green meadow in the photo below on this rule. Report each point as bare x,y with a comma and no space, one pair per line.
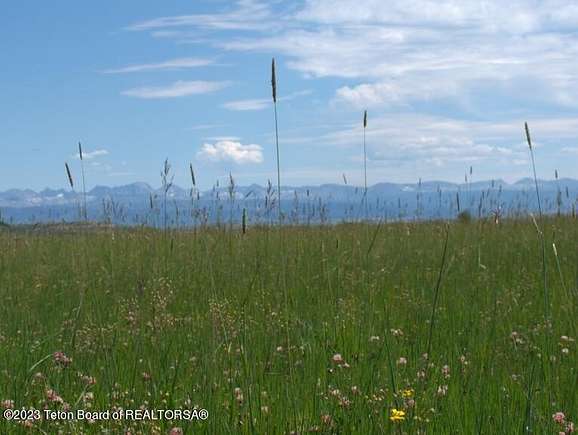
402,328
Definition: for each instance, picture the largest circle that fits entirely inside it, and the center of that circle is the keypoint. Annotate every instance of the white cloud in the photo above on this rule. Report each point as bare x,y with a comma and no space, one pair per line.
408,51
230,151
246,105
260,103
496,63
405,51
569,150
516,16
248,15
176,89
173,64
406,137
89,155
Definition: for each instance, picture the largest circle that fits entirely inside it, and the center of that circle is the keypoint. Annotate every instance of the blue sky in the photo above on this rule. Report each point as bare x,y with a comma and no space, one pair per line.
447,84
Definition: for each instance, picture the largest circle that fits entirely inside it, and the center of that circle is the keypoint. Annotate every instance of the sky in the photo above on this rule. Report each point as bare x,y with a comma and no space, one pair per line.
447,84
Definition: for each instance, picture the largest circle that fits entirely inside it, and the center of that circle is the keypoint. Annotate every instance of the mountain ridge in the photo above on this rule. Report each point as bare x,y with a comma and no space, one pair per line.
138,190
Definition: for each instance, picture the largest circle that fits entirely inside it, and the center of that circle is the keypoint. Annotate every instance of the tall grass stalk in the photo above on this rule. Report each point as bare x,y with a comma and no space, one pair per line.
274,94
71,183
437,291
539,228
167,183
85,213
365,164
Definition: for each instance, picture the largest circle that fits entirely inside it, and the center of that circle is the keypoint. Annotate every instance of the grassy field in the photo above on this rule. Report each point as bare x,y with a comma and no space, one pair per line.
329,329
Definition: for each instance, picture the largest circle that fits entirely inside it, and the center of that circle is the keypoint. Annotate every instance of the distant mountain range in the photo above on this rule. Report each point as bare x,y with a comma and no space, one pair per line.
338,201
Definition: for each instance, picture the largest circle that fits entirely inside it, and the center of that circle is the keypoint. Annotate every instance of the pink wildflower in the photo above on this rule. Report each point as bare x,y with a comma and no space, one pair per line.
61,359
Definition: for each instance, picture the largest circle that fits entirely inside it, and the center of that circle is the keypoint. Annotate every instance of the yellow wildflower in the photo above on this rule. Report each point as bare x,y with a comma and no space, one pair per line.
406,394
397,415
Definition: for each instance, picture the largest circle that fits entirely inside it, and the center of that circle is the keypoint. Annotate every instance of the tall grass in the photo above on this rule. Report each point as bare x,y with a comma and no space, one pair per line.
274,95
84,209
540,229
364,153
308,328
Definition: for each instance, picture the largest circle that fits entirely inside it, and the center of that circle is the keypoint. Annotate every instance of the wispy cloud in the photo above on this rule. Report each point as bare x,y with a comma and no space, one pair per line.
246,105
89,155
173,64
231,151
569,150
402,52
442,140
447,84
247,15
260,103
204,127
176,89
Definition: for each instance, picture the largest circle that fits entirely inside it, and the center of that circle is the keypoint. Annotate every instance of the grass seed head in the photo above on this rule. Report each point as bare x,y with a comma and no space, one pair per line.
528,134
69,175
193,175
273,81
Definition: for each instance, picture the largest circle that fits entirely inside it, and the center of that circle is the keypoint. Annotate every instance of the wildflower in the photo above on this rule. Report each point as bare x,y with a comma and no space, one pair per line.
335,392
326,419
27,423
406,394
559,417
402,361
565,351
176,431
52,396
7,404
61,359
442,390
239,395
89,380
337,358
515,337
265,409
446,371
374,338
146,376
397,415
